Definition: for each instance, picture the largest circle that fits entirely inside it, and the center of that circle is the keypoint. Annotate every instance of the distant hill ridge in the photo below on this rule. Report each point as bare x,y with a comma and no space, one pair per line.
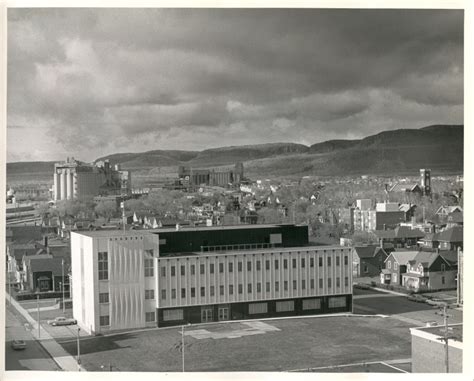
435,146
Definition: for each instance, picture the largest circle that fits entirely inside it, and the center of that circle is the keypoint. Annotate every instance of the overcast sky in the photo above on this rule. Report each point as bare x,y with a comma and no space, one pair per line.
90,82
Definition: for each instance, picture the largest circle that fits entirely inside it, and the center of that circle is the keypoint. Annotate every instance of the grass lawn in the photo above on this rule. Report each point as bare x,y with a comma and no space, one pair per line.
299,343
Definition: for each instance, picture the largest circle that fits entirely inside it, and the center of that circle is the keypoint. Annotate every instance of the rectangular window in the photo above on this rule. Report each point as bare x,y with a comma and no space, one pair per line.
285,285
346,260
443,280
193,292
173,293
337,302
267,265
211,268
221,267
366,269
201,269
320,262
221,290
193,269
329,261
149,294
259,287
312,284
258,266
267,287
346,281
169,315
329,282
249,266
295,285
203,291
321,283
338,282
104,297
149,317
249,287
395,266
276,264
240,289
389,265
183,293
287,305
103,265
338,261
149,267
173,271
394,278
303,262
163,271
303,284
163,294
311,262
294,263
104,321
311,304
258,308
183,270
211,290
285,263
239,266
277,286
231,289
231,267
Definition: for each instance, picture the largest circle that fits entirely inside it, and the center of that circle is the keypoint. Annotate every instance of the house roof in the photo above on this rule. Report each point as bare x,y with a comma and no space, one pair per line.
456,217
25,233
403,257
450,256
368,251
404,187
448,209
453,234
426,258
47,264
400,232
406,207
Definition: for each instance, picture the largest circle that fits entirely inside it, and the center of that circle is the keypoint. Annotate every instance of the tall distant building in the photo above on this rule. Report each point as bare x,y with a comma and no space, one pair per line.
74,179
425,175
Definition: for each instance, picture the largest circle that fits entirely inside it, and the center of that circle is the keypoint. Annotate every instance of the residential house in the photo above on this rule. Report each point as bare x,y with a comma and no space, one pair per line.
406,188
367,261
408,209
401,236
451,239
43,272
430,271
395,266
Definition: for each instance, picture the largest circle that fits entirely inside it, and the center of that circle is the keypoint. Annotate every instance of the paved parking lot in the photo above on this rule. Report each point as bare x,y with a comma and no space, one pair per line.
291,344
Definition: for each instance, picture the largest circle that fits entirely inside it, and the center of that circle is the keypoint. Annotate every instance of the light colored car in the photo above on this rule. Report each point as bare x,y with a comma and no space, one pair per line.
61,320
18,345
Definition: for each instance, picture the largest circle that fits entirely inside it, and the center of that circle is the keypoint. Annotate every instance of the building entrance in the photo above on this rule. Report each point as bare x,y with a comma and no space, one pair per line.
223,313
206,315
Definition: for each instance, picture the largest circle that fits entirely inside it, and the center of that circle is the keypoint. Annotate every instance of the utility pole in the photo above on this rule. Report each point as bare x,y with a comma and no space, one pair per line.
446,338
78,349
182,346
62,284
38,307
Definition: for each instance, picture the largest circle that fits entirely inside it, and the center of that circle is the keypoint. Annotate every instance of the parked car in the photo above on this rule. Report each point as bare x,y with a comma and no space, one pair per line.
18,345
61,320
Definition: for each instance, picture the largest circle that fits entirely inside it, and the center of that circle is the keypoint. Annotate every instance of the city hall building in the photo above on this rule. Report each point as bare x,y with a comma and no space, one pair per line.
136,279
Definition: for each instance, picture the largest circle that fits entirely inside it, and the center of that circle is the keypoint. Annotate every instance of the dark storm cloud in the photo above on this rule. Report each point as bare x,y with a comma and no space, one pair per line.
116,79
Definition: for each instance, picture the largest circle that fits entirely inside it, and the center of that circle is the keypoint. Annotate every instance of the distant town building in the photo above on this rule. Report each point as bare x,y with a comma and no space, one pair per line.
213,176
133,279
425,183
74,179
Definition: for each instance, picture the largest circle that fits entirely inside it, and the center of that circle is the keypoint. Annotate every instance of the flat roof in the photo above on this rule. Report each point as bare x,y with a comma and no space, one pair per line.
111,233
220,227
256,251
454,331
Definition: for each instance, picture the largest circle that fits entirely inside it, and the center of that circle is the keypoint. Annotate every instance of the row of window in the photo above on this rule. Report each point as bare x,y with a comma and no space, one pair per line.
202,267
280,306
103,264
104,320
104,296
212,289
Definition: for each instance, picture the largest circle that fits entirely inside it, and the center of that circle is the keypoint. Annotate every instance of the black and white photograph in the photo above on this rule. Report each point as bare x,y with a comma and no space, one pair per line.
234,190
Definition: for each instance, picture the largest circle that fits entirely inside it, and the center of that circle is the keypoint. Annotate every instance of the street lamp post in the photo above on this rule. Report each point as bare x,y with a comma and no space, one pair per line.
78,349
38,308
182,346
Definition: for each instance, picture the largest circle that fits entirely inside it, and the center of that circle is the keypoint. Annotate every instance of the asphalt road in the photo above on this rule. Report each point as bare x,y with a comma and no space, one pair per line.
34,357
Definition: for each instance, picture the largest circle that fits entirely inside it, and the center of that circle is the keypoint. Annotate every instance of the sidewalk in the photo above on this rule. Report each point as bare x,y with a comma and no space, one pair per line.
64,360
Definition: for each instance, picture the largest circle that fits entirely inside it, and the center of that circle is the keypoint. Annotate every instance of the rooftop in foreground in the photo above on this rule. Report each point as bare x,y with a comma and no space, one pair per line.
454,331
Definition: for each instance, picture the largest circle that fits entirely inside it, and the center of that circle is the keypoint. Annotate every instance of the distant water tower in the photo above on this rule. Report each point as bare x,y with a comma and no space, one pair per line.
425,175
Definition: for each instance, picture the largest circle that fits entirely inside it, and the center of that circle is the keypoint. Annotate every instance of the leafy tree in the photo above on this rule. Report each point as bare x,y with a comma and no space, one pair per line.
106,209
